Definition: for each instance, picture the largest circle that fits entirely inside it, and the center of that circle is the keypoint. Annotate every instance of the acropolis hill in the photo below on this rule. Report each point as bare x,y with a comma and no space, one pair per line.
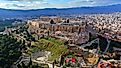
86,40
108,25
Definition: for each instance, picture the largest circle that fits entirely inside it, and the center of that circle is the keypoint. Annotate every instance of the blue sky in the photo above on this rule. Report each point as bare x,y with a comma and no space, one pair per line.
40,4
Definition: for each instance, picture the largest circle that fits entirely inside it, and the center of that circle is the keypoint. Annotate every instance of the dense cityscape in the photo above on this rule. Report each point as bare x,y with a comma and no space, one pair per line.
76,41
60,33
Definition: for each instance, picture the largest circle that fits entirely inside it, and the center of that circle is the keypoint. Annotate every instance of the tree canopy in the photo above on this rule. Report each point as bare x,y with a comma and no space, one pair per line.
10,51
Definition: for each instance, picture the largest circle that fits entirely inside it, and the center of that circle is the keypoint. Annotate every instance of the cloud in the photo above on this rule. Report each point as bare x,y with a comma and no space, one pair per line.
24,0
23,4
3,4
39,4
78,3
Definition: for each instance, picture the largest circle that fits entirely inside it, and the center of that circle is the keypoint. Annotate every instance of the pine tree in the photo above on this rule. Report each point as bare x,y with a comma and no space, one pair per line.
68,21
52,22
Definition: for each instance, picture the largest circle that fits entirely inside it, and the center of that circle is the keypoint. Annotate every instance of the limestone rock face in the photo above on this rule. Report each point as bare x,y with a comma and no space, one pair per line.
73,31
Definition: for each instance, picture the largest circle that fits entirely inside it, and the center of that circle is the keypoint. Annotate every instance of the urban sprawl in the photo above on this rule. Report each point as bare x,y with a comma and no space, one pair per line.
76,41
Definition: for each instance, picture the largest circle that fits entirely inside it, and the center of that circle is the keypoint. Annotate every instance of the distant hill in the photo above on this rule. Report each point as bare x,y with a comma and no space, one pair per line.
53,11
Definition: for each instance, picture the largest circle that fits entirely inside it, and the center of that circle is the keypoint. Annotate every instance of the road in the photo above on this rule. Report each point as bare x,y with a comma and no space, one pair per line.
107,46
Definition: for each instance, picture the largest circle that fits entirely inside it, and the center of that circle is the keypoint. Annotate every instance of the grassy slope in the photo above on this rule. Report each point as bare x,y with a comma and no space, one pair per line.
55,46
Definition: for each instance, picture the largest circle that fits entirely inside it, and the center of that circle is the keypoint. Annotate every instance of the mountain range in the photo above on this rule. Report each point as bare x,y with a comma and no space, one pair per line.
8,13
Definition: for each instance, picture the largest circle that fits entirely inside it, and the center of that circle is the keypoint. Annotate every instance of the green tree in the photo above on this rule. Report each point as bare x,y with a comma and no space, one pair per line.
67,21
9,51
52,22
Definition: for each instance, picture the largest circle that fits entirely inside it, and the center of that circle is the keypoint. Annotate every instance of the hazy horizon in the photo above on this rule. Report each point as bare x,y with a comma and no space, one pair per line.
41,4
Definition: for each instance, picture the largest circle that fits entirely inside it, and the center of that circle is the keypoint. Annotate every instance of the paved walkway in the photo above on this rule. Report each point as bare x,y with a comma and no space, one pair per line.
49,64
